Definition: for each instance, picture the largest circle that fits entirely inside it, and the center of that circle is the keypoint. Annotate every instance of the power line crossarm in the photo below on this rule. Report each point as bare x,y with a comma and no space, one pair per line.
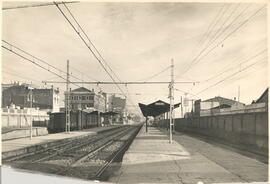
124,83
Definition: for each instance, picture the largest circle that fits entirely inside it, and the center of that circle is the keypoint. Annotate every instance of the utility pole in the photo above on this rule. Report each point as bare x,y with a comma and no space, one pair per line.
31,106
67,101
238,93
185,103
182,107
171,90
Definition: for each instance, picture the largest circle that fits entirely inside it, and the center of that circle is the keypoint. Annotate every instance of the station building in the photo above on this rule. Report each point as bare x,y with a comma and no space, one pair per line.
83,98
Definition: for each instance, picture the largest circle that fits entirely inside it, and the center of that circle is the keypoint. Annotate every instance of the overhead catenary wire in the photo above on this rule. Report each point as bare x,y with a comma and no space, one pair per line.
38,59
99,54
90,49
35,63
95,48
97,51
36,5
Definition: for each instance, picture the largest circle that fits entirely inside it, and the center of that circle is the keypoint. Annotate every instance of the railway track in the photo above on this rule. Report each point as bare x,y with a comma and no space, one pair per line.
85,158
51,151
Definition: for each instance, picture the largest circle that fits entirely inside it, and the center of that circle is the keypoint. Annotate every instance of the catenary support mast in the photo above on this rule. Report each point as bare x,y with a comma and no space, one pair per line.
171,96
67,101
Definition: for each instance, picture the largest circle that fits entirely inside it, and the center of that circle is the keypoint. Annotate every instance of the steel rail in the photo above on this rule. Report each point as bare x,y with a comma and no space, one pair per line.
115,155
85,143
61,144
108,142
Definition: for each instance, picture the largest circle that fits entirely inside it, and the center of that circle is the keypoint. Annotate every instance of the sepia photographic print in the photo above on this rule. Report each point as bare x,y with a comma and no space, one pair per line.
134,92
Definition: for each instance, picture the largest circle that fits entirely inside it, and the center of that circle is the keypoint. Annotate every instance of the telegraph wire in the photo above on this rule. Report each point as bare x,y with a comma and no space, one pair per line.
198,58
227,27
216,25
208,31
243,23
216,36
207,34
227,36
228,77
246,60
237,59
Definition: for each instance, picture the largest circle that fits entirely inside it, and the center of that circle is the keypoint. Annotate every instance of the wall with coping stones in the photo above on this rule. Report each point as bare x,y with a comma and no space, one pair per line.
247,131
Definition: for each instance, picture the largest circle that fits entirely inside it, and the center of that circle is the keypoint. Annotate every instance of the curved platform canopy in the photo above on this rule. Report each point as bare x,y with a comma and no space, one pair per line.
156,108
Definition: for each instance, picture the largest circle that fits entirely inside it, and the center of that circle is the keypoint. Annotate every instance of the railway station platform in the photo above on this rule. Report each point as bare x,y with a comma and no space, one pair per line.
23,145
152,159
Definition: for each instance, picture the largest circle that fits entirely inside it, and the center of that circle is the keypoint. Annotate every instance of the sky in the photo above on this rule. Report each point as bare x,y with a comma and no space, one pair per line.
139,40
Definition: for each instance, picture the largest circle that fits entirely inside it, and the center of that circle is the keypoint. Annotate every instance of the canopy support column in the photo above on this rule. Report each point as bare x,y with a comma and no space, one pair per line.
146,124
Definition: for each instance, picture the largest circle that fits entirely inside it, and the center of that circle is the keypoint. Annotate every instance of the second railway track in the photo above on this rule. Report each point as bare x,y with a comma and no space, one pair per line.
85,158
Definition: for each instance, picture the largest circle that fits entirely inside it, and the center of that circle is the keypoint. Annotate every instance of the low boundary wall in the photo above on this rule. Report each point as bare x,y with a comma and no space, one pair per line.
18,118
247,130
